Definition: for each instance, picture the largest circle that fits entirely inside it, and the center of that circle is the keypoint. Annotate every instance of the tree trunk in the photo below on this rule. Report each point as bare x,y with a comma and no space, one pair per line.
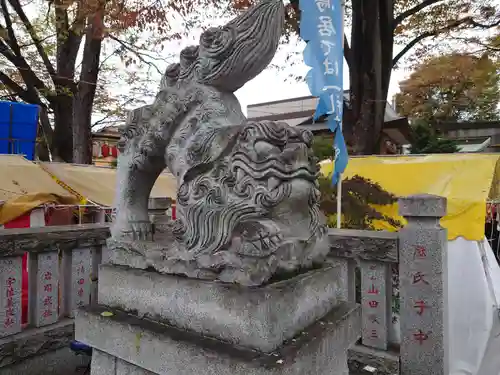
370,71
84,100
62,140
42,147
69,37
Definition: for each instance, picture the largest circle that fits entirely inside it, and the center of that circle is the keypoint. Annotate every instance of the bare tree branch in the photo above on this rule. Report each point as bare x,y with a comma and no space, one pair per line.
347,52
410,12
32,44
11,37
412,44
482,25
467,21
14,54
38,44
13,86
140,55
105,120
485,47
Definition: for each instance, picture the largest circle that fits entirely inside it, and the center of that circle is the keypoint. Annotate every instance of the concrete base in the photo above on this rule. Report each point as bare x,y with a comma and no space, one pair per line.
259,318
125,344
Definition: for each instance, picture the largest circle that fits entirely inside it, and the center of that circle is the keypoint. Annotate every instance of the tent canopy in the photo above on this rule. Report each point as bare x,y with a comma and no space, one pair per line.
24,186
98,184
468,181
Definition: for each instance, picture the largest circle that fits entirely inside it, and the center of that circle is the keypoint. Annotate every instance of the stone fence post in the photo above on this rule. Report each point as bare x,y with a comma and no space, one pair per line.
157,209
423,286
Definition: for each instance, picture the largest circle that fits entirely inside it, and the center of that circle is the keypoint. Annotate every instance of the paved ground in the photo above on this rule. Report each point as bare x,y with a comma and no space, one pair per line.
59,362
79,372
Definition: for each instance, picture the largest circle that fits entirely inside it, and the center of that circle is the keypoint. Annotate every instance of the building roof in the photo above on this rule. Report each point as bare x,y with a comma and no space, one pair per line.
466,125
109,132
300,111
474,146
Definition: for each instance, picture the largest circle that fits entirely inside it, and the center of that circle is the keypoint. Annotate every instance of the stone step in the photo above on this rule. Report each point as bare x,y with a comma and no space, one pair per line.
259,318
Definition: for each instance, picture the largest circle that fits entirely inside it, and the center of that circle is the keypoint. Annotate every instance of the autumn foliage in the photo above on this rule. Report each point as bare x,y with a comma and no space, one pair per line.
61,55
453,87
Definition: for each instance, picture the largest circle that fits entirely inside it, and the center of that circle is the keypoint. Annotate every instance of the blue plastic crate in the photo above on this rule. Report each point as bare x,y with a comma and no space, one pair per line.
18,128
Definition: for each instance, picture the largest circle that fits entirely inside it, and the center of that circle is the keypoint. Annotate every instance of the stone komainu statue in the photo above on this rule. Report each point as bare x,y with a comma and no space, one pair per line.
247,199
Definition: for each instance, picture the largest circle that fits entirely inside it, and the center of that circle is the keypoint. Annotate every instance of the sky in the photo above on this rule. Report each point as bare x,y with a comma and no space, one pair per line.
273,84
277,81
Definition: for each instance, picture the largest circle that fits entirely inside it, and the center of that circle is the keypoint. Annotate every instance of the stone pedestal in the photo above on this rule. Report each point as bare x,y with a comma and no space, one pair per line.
151,323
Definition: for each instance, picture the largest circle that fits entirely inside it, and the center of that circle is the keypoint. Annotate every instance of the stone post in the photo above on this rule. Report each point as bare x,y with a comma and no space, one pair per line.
423,286
376,295
157,210
10,300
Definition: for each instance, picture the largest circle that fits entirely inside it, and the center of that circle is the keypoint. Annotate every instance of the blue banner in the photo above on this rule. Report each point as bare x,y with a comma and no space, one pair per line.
321,26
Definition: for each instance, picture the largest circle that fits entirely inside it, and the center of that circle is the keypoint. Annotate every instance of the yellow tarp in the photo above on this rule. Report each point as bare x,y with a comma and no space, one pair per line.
24,186
466,180
98,184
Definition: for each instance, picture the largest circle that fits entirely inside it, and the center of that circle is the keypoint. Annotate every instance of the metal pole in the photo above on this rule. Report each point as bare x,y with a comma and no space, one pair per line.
339,182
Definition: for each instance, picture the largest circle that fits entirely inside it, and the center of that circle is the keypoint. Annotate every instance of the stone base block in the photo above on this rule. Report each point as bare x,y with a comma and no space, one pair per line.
259,318
126,344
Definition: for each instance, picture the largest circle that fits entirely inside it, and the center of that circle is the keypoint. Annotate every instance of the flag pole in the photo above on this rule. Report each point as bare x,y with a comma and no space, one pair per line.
339,182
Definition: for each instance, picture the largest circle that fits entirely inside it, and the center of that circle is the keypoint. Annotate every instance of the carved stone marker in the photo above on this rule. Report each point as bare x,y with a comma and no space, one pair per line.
44,288
77,264
376,294
10,300
238,284
423,285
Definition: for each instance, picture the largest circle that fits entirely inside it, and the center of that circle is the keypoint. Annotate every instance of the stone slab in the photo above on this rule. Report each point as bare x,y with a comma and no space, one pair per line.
10,295
260,318
162,349
376,294
161,204
369,245
45,279
81,271
422,205
40,239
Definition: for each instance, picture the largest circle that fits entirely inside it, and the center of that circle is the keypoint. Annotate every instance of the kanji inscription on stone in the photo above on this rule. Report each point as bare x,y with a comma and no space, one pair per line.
81,269
375,294
423,278
47,300
10,299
